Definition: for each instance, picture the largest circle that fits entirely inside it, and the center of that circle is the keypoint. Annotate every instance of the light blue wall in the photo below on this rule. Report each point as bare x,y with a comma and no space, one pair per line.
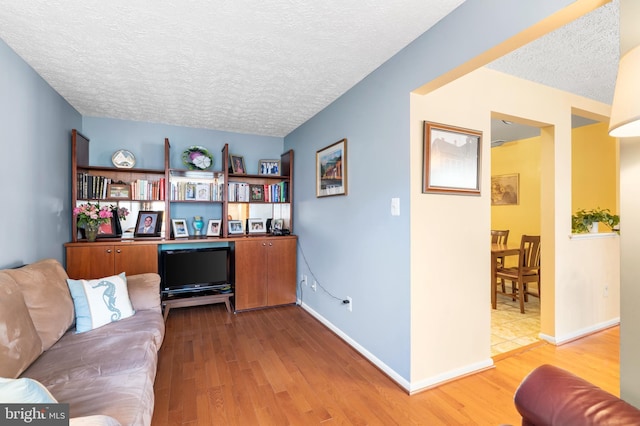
352,243
35,134
146,142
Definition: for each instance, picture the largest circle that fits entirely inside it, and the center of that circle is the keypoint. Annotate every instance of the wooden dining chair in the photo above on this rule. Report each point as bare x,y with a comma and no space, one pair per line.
526,272
500,236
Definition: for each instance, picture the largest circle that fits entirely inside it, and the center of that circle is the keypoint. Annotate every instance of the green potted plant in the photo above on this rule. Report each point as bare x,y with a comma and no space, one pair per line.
587,220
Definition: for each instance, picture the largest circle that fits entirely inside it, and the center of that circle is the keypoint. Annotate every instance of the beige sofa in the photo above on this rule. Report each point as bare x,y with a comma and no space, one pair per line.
108,371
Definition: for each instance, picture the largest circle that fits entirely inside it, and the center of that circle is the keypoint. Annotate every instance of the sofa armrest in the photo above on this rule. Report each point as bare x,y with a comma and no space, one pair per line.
144,291
552,396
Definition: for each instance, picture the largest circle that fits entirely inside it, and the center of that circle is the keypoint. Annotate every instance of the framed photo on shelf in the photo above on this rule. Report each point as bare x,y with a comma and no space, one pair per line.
331,170
149,224
111,229
269,167
202,192
179,227
277,224
118,191
257,226
213,228
235,227
237,164
190,191
257,192
451,159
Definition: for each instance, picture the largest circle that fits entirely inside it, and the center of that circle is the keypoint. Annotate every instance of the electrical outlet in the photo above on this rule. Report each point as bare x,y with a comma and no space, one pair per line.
350,304
314,285
303,278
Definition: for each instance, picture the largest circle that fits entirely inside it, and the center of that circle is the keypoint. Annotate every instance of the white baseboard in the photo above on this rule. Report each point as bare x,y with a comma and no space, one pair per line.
583,332
401,381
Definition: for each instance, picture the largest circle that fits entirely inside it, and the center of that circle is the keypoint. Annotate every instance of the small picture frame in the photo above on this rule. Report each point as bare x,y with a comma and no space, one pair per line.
257,226
269,167
237,164
111,229
256,193
149,224
202,192
118,191
190,191
277,224
213,227
180,229
235,227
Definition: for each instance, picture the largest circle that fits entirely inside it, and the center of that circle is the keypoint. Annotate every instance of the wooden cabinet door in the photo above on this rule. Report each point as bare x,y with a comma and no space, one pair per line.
90,262
251,273
135,259
281,267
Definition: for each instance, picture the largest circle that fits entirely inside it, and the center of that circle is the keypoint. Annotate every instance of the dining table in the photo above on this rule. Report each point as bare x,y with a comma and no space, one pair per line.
497,251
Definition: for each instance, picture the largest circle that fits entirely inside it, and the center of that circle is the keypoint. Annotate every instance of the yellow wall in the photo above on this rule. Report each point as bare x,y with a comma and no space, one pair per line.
521,157
594,170
594,178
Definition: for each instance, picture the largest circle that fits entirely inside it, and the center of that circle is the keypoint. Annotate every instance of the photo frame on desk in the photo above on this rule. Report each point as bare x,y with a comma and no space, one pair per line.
111,229
235,227
257,226
451,163
180,229
213,228
148,224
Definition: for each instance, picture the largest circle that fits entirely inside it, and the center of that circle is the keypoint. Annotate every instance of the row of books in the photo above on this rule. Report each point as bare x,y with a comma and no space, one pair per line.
196,191
245,192
143,189
93,187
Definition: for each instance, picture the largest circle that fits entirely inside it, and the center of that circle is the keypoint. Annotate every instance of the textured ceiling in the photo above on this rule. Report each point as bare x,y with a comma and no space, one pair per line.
581,58
260,67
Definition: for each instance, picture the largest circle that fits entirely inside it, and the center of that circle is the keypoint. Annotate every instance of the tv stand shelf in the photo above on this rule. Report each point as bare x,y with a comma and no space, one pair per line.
183,302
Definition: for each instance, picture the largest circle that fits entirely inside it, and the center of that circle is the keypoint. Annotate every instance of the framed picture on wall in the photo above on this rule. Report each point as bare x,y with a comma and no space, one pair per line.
505,190
331,170
451,159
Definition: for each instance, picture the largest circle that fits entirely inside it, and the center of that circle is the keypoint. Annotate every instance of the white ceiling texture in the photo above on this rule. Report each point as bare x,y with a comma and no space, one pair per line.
260,67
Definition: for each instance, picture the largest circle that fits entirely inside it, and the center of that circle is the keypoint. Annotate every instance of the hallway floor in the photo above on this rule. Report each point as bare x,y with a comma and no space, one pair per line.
509,328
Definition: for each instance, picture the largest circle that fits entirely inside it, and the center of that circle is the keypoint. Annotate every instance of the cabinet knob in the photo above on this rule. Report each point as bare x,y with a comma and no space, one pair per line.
270,244
264,244
118,251
108,250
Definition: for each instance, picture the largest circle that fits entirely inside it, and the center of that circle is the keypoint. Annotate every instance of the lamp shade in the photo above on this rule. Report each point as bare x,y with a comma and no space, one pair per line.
625,111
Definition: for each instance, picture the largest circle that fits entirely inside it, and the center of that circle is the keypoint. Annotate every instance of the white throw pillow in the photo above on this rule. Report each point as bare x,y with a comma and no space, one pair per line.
24,390
99,302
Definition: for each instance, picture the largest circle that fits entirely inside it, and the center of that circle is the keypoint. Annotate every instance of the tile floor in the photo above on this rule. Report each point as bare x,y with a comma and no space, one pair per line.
509,328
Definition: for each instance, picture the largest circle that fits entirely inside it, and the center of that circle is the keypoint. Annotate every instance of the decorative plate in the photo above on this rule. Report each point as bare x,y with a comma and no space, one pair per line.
197,158
123,159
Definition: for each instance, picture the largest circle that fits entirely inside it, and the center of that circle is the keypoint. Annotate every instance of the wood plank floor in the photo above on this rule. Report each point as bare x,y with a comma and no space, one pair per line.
280,366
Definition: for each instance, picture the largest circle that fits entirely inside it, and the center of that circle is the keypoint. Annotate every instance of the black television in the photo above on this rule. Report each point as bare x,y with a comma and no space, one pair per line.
195,270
